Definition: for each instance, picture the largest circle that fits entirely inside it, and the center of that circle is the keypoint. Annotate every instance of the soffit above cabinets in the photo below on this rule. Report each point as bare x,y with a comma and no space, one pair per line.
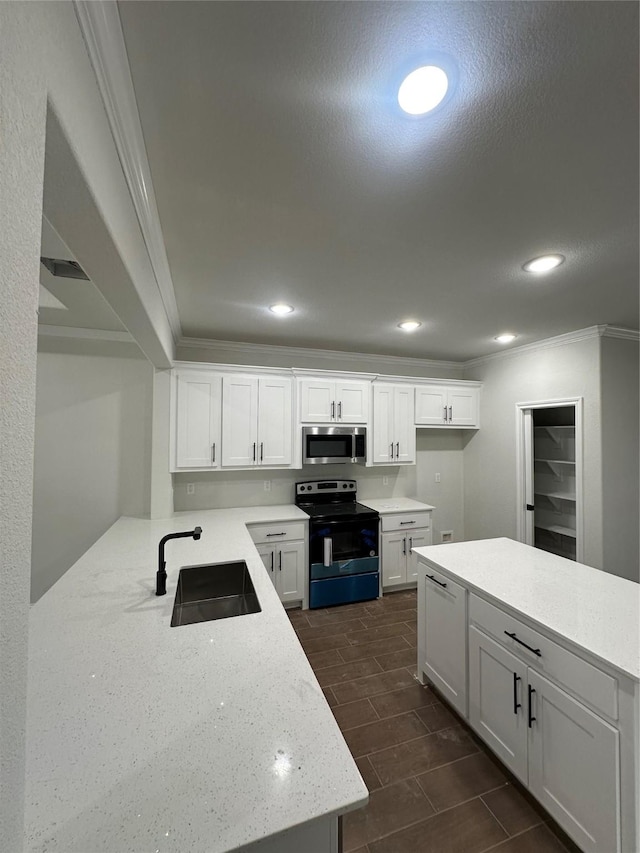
283,170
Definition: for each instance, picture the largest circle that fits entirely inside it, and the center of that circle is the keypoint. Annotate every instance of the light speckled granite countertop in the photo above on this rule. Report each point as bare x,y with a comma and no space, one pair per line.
392,505
145,738
596,611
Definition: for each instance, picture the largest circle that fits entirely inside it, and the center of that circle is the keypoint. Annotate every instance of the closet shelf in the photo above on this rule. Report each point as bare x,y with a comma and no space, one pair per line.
562,496
558,528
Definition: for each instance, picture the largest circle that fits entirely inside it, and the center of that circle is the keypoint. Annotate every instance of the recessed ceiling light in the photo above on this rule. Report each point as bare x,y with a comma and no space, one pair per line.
423,89
543,264
409,325
281,308
506,338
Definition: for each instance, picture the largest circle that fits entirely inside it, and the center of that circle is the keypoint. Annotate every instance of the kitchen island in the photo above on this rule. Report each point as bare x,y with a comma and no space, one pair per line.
541,655
143,738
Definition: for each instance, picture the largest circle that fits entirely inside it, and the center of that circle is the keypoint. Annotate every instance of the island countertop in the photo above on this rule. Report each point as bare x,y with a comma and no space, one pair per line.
150,739
596,611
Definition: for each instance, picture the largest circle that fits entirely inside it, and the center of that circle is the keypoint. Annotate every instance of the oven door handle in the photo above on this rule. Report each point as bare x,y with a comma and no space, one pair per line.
328,551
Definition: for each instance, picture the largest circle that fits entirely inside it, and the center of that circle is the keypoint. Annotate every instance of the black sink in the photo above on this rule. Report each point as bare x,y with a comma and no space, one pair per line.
214,591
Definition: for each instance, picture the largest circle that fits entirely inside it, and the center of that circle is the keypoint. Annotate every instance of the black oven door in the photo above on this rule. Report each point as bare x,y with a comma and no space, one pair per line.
326,447
344,547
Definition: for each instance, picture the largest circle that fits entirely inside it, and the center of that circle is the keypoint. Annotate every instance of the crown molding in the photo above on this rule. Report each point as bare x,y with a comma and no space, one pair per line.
102,32
619,332
258,351
47,331
547,343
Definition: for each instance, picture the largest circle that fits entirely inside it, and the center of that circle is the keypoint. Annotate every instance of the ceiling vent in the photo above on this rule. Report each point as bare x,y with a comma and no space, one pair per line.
64,269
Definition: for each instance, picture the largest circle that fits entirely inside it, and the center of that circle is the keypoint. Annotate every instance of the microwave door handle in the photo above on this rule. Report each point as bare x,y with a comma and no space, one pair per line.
328,551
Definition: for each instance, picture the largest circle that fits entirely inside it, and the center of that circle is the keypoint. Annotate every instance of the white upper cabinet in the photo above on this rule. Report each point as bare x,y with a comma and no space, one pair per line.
324,402
394,434
256,421
197,419
447,406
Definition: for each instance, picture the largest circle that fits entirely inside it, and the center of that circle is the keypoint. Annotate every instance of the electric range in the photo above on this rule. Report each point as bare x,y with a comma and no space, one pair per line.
343,543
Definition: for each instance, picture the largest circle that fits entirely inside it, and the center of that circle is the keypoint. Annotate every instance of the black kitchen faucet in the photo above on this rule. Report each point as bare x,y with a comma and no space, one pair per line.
161,574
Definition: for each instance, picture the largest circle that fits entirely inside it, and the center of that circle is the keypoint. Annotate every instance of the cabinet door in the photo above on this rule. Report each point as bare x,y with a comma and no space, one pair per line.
317,401
394,558
274,421
415,539
431,403
445,626
404,427
383,423
268,554
352,402
197,420
239,421
574,766
463,406
290,571
497,700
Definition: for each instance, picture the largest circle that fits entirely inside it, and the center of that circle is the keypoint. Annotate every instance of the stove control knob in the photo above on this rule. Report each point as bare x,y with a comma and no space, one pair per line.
344,485
352,486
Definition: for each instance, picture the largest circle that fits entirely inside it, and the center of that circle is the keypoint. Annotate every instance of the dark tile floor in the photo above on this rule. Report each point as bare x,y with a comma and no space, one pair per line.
433,786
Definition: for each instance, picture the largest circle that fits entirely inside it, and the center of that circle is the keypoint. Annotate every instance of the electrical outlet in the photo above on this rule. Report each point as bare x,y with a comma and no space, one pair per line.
437,478
446,535
267,485
191,488
385,481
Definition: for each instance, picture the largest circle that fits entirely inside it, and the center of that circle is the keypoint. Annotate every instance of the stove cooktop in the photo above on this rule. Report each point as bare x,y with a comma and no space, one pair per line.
338,510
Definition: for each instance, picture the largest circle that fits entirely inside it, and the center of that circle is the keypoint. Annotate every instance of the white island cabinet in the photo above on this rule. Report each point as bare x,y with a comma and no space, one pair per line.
542,656
213,736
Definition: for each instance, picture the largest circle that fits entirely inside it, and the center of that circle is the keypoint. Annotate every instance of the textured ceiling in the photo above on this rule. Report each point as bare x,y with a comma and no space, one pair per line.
284,170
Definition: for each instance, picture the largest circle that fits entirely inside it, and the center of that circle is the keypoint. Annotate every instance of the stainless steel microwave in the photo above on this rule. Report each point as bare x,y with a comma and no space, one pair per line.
326,445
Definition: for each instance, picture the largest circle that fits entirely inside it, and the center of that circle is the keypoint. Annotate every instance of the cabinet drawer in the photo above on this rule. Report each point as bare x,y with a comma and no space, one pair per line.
581,678
405,521
274,533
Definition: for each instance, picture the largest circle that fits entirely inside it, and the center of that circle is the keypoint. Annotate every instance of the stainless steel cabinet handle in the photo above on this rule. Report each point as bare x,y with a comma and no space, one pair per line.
450,413
254,451
279,560
333,409
340,410
397,450
445,413
213,452
261,450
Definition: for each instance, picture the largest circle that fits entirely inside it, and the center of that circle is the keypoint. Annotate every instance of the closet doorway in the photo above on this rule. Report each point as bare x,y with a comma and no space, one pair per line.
549,470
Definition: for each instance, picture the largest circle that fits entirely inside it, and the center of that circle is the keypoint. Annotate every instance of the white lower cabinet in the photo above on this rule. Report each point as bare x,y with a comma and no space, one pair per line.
565,754
445,648
400,533
285,564
283,552
559,721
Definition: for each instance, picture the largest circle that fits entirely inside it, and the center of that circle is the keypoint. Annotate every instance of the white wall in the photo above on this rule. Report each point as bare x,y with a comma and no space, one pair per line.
92,455
558,371
620,457
44,68
437,451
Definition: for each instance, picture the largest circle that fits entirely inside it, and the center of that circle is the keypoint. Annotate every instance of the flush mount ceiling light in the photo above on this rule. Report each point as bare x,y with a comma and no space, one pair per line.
543,264
281,308
422,90
409,325
506,338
